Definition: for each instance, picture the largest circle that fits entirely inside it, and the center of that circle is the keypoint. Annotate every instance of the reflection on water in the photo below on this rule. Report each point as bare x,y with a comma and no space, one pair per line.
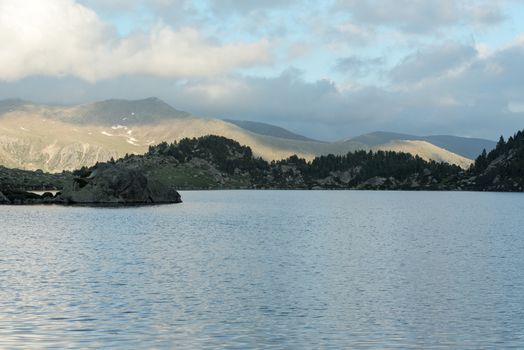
283,269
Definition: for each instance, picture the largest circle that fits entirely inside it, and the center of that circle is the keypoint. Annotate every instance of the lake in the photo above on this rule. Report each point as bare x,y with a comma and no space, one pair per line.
267,269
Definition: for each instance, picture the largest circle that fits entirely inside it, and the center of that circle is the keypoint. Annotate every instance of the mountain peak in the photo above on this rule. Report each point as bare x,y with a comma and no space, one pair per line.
119,111
151,99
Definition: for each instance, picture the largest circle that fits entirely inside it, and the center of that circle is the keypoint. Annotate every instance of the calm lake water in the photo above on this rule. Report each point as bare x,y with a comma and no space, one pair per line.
267,269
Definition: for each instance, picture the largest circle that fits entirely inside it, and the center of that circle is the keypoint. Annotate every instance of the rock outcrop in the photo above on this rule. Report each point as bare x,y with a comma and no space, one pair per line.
111,183
4,199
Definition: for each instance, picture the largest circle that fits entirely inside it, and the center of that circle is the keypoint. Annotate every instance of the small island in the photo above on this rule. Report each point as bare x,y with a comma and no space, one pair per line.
106,184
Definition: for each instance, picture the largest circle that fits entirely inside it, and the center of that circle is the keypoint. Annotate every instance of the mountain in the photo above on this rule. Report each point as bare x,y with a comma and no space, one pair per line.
114,112
425,150
268,130
55,138
464,146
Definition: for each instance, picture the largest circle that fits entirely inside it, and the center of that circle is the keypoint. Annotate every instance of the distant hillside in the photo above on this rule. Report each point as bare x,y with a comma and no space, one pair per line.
55,138
464,146
268,130
11,104
467,147
425,150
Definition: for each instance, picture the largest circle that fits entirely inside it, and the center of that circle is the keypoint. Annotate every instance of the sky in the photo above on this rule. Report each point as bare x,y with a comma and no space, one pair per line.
328,69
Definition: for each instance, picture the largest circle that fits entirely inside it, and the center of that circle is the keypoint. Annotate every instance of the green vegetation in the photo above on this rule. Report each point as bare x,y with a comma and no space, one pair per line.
237,167
15,179
502,169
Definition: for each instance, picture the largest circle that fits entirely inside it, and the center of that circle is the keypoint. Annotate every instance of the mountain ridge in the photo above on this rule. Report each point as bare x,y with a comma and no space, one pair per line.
464,146
270,130
56,138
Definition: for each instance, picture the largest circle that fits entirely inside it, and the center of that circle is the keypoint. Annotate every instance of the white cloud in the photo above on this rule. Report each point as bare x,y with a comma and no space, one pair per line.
358,66
358,34
442,82
516,106
477,100
61,37
246,6
424,16
433,61
465,93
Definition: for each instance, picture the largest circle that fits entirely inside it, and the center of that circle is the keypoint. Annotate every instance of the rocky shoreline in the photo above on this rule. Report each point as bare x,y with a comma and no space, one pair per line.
107,184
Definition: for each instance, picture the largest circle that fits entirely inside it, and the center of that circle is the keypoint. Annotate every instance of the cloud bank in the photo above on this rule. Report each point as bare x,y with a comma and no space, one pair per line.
61,37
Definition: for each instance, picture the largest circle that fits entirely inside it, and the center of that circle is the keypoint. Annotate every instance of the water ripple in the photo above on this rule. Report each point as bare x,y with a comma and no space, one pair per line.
267,269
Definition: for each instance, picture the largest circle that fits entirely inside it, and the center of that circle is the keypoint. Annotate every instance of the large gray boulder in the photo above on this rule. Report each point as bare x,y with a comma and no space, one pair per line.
110,183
